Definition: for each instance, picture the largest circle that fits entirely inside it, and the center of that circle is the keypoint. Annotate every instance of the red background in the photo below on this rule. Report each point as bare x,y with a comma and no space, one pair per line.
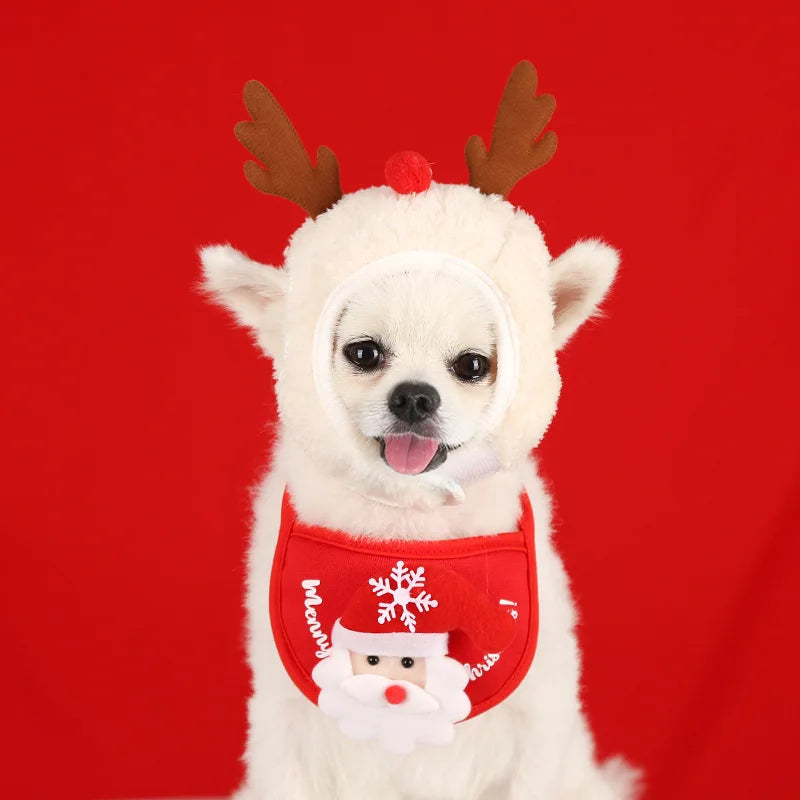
136,417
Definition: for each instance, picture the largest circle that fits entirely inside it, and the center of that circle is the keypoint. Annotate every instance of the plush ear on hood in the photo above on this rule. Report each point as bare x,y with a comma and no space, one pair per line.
579,280
254,292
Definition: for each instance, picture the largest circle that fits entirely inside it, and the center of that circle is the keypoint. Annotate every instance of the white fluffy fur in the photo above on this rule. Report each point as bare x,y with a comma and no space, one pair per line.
536,744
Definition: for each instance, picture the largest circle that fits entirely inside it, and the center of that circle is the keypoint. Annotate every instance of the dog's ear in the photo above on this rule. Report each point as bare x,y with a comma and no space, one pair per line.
253,292
579,280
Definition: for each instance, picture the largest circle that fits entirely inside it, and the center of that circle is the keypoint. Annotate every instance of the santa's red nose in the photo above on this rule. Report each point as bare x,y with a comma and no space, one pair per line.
395,694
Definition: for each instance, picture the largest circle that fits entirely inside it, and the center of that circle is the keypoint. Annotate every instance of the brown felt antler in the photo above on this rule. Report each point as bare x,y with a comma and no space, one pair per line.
514,151
272,139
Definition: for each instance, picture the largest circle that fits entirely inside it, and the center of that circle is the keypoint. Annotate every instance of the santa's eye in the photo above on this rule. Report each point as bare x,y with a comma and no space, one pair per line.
373,661
407,662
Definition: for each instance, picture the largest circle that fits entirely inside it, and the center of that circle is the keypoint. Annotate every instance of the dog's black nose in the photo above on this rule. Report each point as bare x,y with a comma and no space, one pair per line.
412,402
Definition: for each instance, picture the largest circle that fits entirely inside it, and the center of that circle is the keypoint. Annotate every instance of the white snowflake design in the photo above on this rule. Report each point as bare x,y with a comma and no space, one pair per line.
401,595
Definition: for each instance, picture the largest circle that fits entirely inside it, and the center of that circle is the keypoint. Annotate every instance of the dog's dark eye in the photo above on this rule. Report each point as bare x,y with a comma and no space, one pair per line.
373,661
470,366
366,355
407,662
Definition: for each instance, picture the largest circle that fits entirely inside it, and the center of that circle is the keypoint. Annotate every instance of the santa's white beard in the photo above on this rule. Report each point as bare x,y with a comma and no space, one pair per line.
359,703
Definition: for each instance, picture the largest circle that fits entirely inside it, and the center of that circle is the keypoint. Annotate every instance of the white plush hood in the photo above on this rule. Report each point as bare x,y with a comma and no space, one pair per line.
451,228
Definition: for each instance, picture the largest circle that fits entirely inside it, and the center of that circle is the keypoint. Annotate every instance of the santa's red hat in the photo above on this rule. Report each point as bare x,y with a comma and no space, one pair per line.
412,611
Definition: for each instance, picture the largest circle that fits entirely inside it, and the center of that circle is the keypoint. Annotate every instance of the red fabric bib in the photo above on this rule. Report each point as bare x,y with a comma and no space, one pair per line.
317,571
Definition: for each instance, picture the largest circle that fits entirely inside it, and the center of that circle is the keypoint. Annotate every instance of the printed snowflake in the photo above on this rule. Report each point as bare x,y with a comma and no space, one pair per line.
406,580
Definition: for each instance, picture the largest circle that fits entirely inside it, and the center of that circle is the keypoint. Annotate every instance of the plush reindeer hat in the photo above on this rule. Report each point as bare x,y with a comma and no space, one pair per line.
469,231
513,154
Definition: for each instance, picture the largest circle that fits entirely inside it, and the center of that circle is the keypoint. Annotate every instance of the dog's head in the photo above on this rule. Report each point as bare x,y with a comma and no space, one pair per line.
414,335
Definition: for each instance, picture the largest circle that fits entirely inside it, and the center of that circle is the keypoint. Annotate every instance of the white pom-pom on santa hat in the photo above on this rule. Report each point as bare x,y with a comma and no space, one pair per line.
412,612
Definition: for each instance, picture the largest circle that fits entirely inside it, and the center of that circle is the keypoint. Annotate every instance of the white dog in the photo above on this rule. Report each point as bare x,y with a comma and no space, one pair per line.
414,340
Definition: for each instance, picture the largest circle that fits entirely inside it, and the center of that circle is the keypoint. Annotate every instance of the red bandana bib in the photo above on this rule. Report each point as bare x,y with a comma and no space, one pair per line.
407,590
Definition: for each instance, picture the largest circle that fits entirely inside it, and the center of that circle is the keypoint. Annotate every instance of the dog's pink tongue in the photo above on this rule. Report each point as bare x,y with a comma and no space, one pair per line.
409,454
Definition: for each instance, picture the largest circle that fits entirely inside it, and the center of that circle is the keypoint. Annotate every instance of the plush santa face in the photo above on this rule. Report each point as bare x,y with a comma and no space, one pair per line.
396,700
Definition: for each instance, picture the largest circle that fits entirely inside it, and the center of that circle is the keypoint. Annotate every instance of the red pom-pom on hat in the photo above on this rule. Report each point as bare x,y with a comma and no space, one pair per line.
408,172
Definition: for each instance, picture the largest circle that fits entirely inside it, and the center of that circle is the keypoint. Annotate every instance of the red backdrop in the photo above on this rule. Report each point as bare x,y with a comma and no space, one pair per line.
136,416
